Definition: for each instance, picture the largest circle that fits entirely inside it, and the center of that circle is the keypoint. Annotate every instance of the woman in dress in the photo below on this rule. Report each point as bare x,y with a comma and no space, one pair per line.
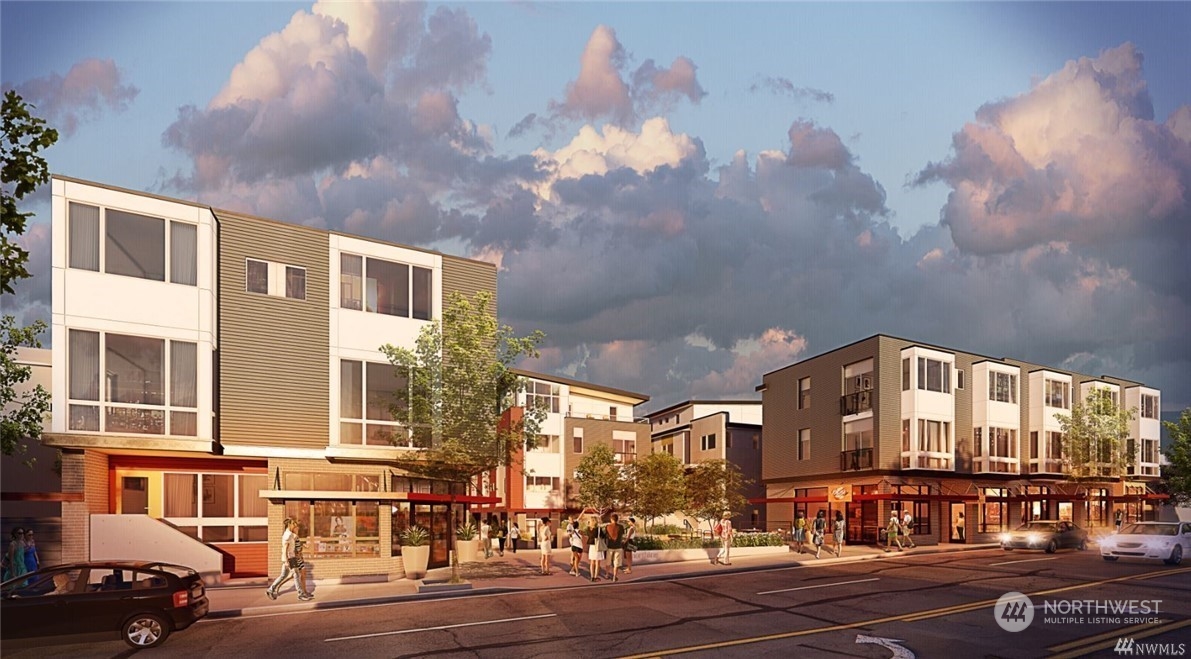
838,528
545,543
15,556
32,560
595,555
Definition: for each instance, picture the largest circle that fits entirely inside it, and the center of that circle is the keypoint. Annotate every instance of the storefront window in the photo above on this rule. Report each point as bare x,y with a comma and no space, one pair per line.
920,509
992,513
337,528
400,523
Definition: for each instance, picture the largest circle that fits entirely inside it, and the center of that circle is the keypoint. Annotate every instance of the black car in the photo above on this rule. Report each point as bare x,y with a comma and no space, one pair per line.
143,601
1045,534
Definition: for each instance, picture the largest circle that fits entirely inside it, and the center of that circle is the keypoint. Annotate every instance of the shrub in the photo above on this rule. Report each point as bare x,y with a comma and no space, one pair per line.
758,540
466,531
667,529
415,536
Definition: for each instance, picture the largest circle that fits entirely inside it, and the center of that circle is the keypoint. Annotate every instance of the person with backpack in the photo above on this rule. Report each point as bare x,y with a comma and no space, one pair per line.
615,533
907,526
724,532
840,526
577,544
799,530
891,531
818,530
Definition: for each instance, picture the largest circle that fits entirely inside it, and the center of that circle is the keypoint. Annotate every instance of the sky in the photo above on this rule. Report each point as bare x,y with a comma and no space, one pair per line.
682,196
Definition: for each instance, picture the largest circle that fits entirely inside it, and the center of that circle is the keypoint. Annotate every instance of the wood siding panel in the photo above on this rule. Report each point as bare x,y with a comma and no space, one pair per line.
273,351
467,277
595,431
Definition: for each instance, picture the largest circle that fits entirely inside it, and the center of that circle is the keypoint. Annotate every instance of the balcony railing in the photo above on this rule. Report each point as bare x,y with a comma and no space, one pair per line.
861,401
856,460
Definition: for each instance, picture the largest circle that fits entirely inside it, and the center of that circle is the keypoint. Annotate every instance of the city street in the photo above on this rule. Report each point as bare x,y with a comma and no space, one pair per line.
937,605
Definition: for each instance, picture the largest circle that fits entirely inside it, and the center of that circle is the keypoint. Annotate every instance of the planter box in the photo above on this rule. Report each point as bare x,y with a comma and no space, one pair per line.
467,550
672,555
415,560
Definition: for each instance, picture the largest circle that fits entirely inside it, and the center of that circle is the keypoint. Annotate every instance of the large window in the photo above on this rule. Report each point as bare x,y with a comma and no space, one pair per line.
217,507
1057,393
1149,406
919,508
624,446
368,394
546,444
275,279
1002,387
1002,442
858,435
337,529
934,375
133,245
543,395
993,513
385,287
804,393
150,386
541,483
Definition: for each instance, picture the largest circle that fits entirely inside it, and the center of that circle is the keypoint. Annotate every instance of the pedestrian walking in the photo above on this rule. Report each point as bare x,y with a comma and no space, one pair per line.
1120,517
514,536
500,532
32,560
614,532
959,526
799,530
630,545
725,533
485,539
891,530
839,527
575,535
907,526
819,531
291,563
597,545
545,543
14,556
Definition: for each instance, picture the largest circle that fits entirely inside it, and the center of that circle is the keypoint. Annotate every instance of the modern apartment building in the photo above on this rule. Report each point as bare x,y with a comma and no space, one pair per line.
695,431
579,415
220,372
891,424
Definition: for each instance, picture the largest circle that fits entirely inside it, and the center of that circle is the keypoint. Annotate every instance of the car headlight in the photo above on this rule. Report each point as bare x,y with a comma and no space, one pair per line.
1034,538
1005,537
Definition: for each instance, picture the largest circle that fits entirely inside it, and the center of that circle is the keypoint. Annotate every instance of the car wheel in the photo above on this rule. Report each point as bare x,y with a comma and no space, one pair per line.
1109,558
1007,548
1083,545
1176,556
1051,547
145,630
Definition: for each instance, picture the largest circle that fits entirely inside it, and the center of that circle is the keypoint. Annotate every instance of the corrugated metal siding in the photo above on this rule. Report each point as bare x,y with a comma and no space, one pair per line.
273,353
887,408
963,415
467,277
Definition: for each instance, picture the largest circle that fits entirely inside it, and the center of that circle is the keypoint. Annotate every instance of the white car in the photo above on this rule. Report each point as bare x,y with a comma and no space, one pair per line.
1166,541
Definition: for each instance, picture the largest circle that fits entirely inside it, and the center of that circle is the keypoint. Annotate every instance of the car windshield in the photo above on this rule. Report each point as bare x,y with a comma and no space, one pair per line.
1150,529
1038,526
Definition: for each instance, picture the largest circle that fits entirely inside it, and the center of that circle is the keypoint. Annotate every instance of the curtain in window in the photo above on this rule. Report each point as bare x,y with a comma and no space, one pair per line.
181,495
251,503
183,253
84,365
183,374
84,237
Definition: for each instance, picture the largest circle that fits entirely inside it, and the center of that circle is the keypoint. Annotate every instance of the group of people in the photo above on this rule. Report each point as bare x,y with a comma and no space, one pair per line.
899,528
293,566
613,542
496,535
818,528
21,556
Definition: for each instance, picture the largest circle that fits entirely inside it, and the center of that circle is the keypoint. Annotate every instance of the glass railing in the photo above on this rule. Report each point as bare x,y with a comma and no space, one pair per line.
856,460
861,401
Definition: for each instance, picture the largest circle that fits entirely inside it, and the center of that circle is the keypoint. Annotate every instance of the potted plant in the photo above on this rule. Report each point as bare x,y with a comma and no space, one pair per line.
415,551
467,545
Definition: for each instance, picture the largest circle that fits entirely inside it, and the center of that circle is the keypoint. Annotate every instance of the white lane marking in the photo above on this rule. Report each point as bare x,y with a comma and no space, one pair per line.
1031,560
428,629
893,644
822,585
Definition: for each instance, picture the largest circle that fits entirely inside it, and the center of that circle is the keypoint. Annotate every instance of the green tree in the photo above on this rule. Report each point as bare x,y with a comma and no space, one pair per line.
22,410
1176,475
713,488
655,485
23,171
460,387
1095,436
600,480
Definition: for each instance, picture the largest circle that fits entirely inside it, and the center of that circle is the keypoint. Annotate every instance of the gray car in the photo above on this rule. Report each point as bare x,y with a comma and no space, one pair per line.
1049,535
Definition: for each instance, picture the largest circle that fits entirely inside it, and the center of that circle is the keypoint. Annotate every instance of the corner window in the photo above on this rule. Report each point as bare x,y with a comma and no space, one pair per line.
1149,406
133,245
1057,393
543,395
1002,387
934,375
385,287
368,393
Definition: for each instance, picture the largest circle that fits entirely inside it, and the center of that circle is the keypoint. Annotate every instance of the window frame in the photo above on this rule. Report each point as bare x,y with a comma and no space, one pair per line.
94,253
804,393
804,444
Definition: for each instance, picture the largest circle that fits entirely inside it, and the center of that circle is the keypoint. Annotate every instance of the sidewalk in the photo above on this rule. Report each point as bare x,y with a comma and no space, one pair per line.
511,572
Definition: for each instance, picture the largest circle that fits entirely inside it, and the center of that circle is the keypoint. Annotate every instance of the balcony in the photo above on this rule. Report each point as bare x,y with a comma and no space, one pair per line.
856,460
861,401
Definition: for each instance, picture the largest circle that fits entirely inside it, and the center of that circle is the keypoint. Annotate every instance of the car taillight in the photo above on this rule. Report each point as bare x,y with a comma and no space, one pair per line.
181,599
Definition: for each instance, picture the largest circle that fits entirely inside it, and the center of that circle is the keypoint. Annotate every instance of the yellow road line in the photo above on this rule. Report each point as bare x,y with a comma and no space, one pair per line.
1112,642
921,615
1128,631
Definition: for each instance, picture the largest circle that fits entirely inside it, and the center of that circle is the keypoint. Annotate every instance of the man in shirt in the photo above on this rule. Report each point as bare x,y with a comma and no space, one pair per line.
291,564
615,533
907,526
725,532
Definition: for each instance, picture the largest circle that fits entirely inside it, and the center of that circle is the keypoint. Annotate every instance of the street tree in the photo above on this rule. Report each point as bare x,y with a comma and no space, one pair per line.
1176,474
655,485
600,480
22,409
23,171
458,391
714,487
1095,435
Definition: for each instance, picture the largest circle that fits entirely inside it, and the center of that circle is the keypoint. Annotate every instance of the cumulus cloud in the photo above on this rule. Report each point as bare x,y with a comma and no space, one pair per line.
752,357
88,89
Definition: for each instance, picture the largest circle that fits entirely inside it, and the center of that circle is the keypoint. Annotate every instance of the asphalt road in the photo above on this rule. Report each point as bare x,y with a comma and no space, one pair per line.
939,605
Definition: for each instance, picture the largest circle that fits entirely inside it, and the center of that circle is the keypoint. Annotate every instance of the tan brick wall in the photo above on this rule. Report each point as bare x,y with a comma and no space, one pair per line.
86,472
